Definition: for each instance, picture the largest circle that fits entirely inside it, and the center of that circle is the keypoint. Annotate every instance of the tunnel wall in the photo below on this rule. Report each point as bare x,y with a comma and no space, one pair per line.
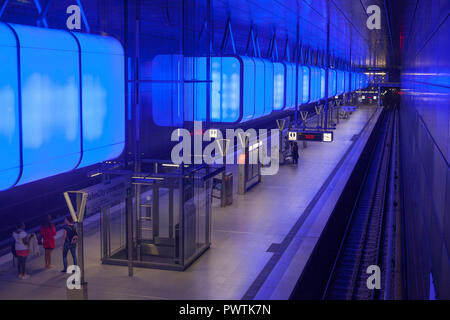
425,148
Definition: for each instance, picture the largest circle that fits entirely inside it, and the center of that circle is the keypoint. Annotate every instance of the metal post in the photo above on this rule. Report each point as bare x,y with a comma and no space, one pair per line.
80,241
379,95
129,214
296,72
223,191
327,66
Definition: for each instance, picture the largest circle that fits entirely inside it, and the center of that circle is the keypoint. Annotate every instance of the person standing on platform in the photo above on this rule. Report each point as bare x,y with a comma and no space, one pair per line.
295,153
21,246
70,242
48,233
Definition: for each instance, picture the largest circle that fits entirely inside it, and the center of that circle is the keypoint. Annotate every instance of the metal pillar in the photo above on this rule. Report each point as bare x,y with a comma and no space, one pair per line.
327,66
80,241
129,214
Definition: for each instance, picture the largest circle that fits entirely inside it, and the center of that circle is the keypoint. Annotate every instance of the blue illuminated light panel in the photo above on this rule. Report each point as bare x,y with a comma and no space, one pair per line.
225,95
278,86
103,98
51,132
248,88
166,91
48,119
290,85
259,88
9,110
322,83
195,87
305,86
268,87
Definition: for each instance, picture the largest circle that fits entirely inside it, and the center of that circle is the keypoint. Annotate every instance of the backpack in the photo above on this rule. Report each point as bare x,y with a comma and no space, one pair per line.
13,248
72,235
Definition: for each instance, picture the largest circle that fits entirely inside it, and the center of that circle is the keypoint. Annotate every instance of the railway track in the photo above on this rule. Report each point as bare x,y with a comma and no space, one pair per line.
364,242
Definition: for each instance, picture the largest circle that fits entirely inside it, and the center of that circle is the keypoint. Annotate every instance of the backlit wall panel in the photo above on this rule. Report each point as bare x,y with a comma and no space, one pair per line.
67,110
9,110
300,85
331,83
249,88
322,83
259,88
278,86
347,81
290,85
268,87
51,132
340,82
195,88
225,75
305,84
103,98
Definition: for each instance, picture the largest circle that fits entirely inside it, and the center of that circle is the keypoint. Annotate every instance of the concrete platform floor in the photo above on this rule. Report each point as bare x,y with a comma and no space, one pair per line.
241,235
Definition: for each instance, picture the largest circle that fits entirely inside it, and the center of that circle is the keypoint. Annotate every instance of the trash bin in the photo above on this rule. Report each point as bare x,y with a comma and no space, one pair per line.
228,192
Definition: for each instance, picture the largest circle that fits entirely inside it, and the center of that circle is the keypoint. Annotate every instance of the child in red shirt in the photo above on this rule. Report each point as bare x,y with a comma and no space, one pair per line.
48,233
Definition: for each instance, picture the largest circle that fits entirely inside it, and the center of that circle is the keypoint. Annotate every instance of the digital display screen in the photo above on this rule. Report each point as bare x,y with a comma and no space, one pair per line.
311,136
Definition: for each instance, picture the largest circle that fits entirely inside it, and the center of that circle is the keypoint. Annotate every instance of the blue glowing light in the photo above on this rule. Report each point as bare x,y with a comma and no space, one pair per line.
103,98
195,87
305,82
225,95
331,83
166,89
268,87
322,83
248,88
278,85
64,126
51,132
9,104
259,88
290,85
347,81
340,82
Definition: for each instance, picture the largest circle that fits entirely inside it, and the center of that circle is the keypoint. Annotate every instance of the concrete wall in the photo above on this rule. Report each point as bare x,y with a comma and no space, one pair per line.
425,145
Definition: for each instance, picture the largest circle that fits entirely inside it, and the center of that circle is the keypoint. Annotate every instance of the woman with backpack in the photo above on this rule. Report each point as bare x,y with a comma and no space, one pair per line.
21,239
48,233
70,242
